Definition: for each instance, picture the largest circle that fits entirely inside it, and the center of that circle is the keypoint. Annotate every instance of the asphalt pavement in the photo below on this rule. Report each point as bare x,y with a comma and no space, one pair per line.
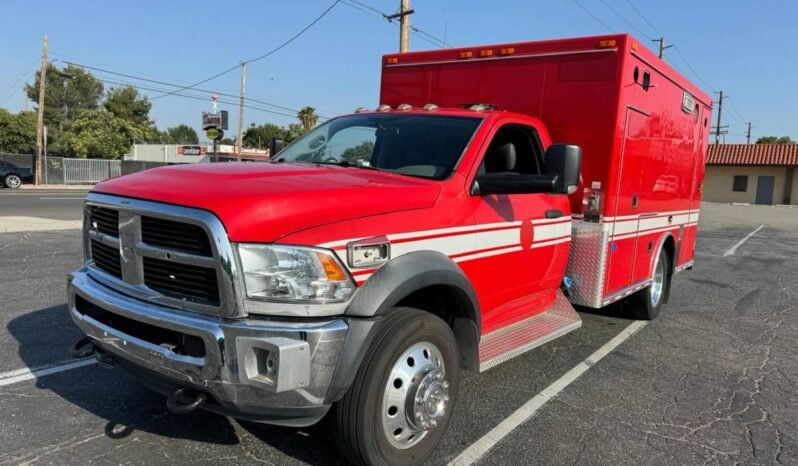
52,204
711,381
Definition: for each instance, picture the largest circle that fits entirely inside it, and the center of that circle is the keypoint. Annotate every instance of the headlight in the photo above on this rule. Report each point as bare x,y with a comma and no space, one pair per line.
293,274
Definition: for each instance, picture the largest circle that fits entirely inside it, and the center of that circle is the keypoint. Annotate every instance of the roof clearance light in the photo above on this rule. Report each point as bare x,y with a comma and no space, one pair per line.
507,51
430,107
361,110
477,108
467,54
404,107
634,46
486,53
384,108
392,60
603,44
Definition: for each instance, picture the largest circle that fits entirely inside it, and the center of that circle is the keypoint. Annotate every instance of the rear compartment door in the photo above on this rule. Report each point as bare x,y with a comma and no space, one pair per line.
623,239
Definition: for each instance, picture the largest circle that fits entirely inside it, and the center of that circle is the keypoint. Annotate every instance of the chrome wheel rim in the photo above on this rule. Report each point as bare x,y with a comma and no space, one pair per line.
658,284
416,395
13,181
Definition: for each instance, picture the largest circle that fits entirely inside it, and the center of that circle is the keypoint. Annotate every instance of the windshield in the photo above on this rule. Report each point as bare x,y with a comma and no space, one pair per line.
426,146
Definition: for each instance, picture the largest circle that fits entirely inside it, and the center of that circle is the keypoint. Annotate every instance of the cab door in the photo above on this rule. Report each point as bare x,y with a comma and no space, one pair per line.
522,240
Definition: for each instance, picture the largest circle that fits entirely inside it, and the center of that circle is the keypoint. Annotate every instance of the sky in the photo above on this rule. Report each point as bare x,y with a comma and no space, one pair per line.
746,49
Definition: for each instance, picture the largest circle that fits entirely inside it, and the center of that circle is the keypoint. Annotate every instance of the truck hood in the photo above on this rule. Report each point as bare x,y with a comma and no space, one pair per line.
261,202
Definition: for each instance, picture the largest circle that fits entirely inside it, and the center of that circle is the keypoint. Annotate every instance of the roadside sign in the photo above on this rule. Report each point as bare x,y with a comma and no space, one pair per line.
214,120
190,150
214,134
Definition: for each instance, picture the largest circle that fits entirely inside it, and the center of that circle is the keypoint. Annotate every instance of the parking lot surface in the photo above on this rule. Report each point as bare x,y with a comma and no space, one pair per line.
711,381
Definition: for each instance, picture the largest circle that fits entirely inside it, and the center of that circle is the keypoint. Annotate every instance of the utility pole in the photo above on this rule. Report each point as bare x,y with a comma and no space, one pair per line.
748,134
662,46
241,109
720,109
404,24
40,117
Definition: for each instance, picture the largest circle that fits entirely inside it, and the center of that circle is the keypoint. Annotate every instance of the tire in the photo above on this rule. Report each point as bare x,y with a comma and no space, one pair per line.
12,181
647,303
413,357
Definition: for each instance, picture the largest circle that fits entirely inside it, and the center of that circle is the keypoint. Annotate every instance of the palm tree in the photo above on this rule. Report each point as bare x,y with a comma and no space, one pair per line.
307,116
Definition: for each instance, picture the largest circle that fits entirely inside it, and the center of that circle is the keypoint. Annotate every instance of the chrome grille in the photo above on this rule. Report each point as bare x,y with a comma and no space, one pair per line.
175,235
105,220
182,281
168,255
106,258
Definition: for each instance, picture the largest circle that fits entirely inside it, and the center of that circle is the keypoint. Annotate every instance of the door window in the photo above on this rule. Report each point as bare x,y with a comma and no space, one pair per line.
514,149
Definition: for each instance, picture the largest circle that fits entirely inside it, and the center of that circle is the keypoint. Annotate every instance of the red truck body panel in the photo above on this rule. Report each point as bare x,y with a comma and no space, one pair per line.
644,146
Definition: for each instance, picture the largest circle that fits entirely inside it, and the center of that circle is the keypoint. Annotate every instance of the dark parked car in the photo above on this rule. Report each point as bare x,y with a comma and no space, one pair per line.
12,176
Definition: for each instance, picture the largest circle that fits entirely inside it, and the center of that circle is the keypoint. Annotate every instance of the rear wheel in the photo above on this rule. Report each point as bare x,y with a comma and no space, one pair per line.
12,181
401,401
647,303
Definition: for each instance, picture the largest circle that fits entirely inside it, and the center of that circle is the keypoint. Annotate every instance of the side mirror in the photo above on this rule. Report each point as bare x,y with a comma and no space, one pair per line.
564,162
512,183
275,146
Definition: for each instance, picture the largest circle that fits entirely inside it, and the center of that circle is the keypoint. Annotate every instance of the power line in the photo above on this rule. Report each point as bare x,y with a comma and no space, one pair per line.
678,52
643,17
261,57
12,88
590,13
194,97
423,35
164,83
624,19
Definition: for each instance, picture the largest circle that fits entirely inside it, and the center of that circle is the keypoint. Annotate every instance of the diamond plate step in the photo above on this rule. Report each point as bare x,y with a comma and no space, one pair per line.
508,342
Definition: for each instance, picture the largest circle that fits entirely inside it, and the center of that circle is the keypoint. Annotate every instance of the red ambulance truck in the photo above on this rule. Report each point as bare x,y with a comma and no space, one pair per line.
452,227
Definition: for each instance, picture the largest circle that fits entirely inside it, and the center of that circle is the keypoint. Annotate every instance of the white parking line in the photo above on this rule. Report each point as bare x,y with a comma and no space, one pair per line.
21,375
478,449
733,249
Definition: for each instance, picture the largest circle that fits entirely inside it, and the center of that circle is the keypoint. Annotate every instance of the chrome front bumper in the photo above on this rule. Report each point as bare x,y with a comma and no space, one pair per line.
280,372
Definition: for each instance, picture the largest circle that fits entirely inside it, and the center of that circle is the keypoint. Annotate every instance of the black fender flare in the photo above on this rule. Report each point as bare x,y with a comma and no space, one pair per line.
406,274
394,281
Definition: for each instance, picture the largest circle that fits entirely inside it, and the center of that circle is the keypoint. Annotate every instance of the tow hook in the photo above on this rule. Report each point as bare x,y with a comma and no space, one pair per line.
82,348
181,403
104,358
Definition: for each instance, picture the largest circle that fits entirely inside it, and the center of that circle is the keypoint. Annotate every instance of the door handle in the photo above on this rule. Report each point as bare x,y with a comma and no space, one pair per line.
553,213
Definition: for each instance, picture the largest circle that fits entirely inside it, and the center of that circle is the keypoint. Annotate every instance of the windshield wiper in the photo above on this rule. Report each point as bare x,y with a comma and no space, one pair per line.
348,164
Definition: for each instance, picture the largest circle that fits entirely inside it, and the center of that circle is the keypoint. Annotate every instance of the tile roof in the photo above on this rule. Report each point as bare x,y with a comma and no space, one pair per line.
753,154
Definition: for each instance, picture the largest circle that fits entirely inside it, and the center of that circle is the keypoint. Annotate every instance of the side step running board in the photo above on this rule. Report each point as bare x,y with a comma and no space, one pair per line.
508,342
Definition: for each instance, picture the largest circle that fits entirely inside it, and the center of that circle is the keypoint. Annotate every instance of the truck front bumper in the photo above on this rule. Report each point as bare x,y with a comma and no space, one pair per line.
281,372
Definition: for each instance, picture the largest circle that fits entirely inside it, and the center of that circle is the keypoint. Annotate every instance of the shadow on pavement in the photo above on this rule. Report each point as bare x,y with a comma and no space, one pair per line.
45,336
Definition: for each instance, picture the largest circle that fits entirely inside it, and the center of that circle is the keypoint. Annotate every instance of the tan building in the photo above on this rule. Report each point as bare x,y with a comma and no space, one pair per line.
752,174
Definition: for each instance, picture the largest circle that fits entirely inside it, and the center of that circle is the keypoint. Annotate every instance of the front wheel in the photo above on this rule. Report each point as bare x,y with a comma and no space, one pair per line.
402,398
647,303
12,181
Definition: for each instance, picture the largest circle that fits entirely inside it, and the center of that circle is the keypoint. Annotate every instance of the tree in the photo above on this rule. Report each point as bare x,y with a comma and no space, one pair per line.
181,134
358,154
259,136
68,92
54,108
17,132
227,142
126,103
101,134
307,116
294,131
775,140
